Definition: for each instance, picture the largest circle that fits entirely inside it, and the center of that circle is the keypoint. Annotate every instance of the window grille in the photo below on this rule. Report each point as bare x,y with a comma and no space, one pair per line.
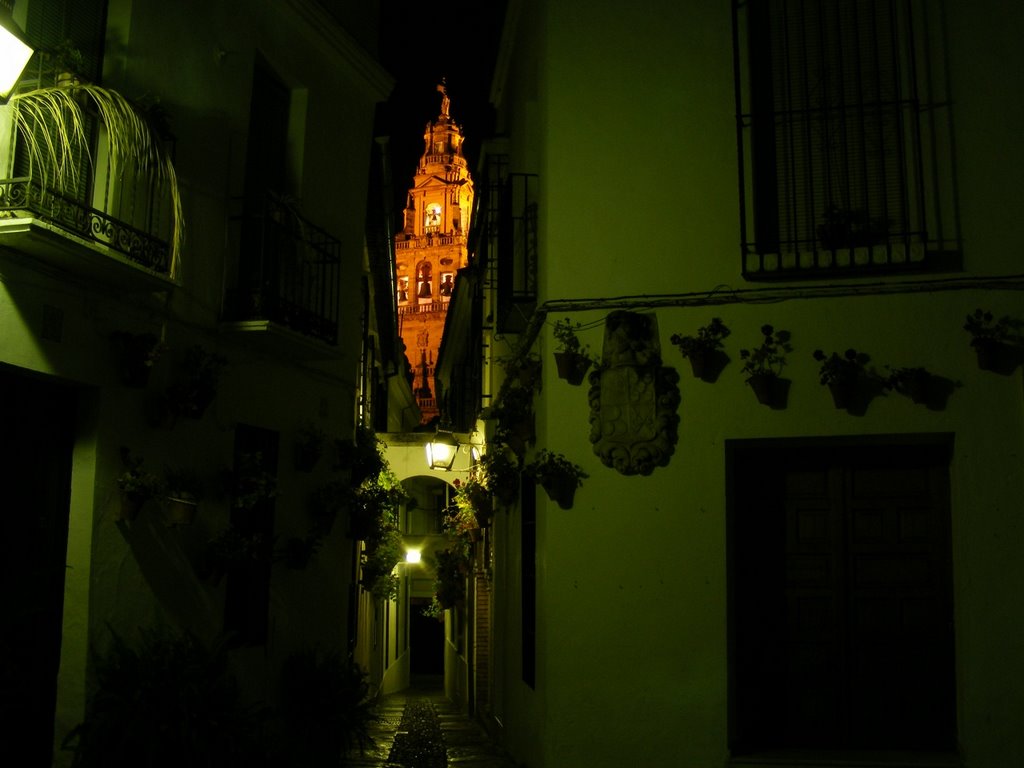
838,139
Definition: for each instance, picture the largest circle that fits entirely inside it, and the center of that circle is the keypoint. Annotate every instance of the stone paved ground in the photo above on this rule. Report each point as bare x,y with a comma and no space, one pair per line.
423,729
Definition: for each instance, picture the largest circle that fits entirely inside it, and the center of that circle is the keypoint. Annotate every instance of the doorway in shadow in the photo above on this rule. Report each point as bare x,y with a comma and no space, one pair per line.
426,646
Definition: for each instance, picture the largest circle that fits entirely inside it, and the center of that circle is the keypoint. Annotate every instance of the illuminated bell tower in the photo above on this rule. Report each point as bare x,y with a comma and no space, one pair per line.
431,247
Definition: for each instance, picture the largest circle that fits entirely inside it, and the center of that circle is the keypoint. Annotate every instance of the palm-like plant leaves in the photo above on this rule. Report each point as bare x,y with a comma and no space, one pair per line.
131,140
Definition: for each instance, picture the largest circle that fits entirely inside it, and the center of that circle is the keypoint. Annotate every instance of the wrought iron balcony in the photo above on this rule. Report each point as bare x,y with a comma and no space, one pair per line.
23,199
289,272
75,198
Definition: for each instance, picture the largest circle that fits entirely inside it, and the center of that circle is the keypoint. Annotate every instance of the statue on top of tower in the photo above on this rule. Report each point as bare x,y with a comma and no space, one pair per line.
445,102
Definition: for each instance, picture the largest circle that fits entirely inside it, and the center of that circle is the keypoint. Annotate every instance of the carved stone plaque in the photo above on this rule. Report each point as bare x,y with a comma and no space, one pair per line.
634,400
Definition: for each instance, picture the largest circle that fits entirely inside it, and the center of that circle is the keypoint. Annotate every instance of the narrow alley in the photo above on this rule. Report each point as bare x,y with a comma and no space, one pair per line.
421,728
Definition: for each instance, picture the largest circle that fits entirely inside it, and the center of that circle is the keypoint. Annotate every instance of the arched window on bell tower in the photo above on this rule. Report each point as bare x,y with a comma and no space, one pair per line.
424,287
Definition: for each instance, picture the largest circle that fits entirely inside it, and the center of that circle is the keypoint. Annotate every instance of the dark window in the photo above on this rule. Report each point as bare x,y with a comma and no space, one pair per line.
517,252
247,598
840,596
837,140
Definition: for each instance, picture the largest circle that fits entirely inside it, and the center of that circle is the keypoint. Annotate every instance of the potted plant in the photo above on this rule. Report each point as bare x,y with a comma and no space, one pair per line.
167,699
137,486
374,505
184,489
910,382
851,384
232,549
997,349
136,354
461,523
451,567
253,483
308,447
473,497
323,710
524,370
67,64
763,367
572,358
514,413
499,469
195,386
704,350
557,475
382,552
361,456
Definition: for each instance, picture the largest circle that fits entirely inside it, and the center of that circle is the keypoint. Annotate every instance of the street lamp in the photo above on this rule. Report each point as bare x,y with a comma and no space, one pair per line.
14,54
441,451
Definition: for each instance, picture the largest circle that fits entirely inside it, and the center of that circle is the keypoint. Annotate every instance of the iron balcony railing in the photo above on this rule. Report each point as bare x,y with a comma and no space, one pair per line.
288,271
72,179
25,197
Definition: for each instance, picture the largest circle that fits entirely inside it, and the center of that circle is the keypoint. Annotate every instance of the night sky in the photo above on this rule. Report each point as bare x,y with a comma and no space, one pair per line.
420,47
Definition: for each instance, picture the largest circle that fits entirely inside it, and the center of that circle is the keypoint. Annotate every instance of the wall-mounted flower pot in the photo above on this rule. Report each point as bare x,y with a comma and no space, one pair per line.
707,366
561,490
770,390
855,395
927,389
997,356
131,505
572,367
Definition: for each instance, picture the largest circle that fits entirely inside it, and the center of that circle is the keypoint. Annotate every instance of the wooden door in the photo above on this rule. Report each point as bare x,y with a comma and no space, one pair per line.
841,618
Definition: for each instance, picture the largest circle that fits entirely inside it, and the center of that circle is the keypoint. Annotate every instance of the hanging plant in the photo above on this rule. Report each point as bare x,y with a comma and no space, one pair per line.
362,456
309,446
499,471
473,498
184,490
137,486
557,475
196,382
921,386
571,357
848,379
461,525
997,348
382,553
704,349
253,483
763,367
451,567
136,354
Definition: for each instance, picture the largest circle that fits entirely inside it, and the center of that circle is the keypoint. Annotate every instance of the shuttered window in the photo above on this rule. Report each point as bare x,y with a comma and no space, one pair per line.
832,148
